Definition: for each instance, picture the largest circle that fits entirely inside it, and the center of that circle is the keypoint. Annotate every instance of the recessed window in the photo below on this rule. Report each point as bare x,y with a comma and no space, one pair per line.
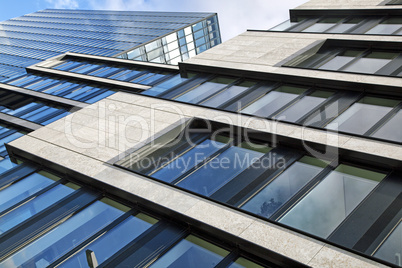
333,55
363,115
332,200
276,193
388,26
273,101
322,25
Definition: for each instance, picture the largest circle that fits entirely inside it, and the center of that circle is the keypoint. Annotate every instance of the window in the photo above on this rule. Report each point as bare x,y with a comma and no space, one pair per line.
334,55
282,188
267,105
390,130
388,26
332,200
192,252
363,115
322,25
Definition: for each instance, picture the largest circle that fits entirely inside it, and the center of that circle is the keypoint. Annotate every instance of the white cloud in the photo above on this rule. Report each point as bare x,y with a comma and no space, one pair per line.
63,3
235,16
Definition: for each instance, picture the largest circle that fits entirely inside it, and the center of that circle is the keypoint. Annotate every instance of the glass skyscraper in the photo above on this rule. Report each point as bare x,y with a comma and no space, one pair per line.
164,37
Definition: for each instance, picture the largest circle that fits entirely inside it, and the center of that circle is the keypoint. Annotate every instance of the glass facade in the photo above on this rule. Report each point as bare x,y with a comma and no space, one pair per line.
35,37
61,221
339,110
387,25
180,45
281,183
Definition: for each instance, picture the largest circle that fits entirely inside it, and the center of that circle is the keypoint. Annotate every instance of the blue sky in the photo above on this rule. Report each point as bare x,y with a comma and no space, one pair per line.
235,16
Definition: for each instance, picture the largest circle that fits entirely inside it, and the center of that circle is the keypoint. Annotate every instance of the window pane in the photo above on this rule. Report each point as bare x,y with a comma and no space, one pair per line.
162,87
220,170
331,201
303,106
359,118
112,241
188,160
371,63
201,92
319,27
33,207
391,249
23,189
192,252
391,130
277,192
6,164
273,101
336,63
66,236
341,28
224,96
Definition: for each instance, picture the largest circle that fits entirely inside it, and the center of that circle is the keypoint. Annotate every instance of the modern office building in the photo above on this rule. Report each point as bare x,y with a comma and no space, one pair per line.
278,147
164,37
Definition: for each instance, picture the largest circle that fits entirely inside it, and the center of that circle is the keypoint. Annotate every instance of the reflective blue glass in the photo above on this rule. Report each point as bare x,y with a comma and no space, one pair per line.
23,189
219,170
192,252
33,207
188,160
66,236
111,242
276,193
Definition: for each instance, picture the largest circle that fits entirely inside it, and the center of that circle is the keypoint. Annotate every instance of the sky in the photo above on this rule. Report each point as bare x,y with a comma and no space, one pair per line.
235,16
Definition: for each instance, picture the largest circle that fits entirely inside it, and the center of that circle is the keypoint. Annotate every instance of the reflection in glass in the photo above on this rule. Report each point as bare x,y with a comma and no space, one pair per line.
277,192
203,91
111,242
162,87
391,249
224,96
23,189
64,237
219,170
273,101
33,207
391,130
331,201
303,106
371,63
188,160
360,117
192,252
